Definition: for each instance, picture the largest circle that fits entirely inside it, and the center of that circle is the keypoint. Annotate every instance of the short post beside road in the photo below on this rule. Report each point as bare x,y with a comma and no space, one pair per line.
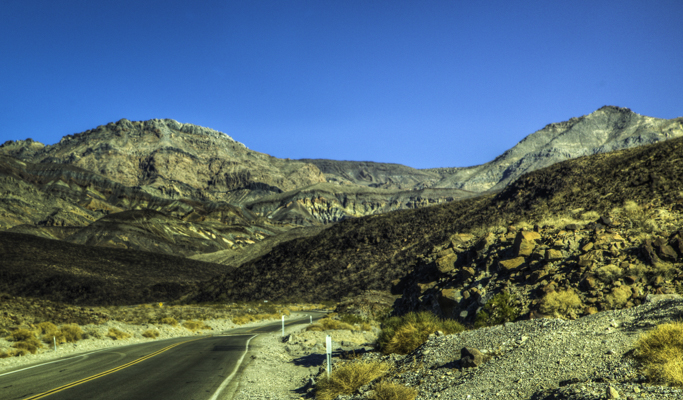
283,326
329,354
54,340
311,318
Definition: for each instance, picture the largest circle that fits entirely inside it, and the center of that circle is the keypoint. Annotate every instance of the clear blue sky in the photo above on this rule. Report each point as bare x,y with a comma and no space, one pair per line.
421,83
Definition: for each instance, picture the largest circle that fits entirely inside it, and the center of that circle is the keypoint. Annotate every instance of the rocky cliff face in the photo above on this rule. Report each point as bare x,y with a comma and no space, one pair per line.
326,202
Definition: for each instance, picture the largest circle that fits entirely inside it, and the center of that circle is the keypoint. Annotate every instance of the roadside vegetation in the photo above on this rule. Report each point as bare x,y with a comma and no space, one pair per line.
347,378
30,334
406,333
660,352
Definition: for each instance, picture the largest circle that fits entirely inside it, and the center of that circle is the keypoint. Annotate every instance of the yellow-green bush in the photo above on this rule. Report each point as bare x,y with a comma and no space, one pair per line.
500,309
151,333
30,344
47,330
70,333
404,334
661,353
246,318
393,391
5,354
22,334
348,378
195,325
560,303
117,334
169,321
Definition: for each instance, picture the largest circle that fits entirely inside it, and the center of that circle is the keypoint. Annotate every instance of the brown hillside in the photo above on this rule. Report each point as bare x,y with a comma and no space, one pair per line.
84,275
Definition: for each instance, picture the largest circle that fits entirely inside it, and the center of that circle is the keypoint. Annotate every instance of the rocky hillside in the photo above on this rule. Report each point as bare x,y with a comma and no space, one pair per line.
607,129
172,160
378,252
61,201
330,202
377,175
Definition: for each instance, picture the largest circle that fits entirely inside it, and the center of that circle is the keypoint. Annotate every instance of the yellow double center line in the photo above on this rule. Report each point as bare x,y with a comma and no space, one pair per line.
101,374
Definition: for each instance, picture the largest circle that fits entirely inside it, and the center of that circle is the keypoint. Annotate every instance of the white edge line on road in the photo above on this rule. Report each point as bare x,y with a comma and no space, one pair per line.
228,379
52,362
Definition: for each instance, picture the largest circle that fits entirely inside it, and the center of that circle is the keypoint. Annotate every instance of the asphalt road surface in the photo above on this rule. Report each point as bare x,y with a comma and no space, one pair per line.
197,368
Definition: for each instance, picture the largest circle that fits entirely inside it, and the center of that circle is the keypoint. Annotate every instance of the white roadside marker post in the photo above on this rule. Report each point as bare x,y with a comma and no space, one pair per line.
283,326
54,340
329,354
311,318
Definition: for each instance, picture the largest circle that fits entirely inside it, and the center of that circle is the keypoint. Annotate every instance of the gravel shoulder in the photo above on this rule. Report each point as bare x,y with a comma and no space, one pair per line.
584,359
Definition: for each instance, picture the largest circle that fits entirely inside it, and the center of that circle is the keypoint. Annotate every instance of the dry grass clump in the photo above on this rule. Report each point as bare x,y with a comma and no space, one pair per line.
169,321
246,318
560,303
195,325
22,334
151,333
404,334
348,378
664,269
70,333
661,353
393,391
609,273
326,324
117,334
25,341
47,330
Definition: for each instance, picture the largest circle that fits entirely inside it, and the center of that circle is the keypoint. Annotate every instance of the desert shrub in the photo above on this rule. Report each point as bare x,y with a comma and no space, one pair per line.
352,319
47,329
70,333
19,335
609,273
636,218
393,391
664,269
169,321
660,352
560,303
246,318
326,324
30,344
365,326
618,297
348,378
406,333
195,325
93,333
117,334
498,310
151,333
20,352
8,353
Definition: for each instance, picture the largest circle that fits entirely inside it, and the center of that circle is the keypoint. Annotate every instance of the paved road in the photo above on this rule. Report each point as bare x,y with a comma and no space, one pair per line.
197,368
